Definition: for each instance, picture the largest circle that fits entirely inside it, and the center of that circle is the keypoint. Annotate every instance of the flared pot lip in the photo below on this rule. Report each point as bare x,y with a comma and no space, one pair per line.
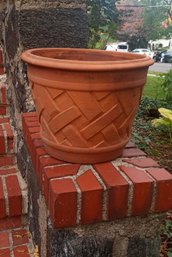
128,60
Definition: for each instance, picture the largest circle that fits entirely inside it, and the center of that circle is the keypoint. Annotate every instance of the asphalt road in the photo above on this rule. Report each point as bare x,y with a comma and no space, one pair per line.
160,67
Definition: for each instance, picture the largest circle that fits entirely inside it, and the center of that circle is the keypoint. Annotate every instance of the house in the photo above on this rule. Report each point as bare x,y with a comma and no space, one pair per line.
131,19
160,43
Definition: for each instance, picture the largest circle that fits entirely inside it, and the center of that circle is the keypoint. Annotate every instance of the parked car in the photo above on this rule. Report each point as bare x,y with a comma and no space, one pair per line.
158,56
119,47
144,51
167,56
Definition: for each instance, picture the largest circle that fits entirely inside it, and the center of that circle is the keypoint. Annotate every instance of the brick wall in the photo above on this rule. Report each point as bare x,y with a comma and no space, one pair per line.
107,209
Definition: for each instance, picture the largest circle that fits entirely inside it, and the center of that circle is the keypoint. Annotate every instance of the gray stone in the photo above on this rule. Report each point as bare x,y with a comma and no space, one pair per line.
53,28
67,243
144,247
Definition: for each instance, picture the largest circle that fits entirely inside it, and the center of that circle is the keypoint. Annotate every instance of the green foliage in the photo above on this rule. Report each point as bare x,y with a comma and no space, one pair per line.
155,12
169,254
167,235
167,229
147,111
102,18
142,121
167,86
165,121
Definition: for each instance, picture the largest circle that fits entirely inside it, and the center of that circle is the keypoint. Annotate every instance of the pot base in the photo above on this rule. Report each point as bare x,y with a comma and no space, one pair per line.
84,156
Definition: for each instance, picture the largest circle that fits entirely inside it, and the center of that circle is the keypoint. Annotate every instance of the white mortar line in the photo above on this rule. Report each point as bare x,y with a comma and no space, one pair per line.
105,200
24,192
79,202
5,195
130,190
154,191
5,139
11,244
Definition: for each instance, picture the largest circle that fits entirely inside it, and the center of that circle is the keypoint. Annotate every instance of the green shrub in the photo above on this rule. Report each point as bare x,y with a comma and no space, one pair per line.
165,121
167,86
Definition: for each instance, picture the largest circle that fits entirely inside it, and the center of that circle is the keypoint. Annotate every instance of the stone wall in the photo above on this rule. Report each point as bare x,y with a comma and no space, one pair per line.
31,24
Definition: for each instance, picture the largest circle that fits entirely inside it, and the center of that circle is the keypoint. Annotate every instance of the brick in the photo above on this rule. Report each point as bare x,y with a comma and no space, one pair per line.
29,121
37,143
56,172
92,195
10,137
143,162
34,130
132,152
4,120
39,152
2,201
14,196
3,109
21,251
4,240
28,114
2,142
32,146
20,237
163,179
7,171
13,222
63,203
7,160
45,161
8,130
30,142
5,252
117,188
142,191
3,95
1,70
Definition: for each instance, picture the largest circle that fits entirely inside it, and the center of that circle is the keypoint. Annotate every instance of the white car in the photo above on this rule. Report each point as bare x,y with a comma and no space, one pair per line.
144,51
119,47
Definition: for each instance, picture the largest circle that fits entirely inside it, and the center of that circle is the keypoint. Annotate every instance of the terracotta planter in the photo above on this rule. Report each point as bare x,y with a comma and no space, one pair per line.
86,100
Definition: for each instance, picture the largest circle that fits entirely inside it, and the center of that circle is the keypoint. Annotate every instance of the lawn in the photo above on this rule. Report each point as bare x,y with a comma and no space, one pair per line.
153,88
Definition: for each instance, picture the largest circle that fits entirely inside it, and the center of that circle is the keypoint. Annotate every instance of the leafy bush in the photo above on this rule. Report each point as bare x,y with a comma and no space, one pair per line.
165,121
167,85
142,127
149,107
102,18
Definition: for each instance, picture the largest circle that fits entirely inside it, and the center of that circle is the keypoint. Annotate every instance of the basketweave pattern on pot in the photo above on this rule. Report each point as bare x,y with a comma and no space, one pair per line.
85,119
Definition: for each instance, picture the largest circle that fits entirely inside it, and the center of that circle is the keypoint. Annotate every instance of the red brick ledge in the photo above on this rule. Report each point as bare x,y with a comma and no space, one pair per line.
16,243
133,185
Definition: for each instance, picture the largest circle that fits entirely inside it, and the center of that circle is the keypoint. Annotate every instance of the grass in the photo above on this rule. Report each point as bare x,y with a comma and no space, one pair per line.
153,87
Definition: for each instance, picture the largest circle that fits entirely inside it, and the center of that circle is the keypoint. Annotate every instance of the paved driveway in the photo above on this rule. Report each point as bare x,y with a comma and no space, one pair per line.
160,67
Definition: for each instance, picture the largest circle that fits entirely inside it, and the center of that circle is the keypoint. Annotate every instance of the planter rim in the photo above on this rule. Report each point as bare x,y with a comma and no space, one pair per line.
129,60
